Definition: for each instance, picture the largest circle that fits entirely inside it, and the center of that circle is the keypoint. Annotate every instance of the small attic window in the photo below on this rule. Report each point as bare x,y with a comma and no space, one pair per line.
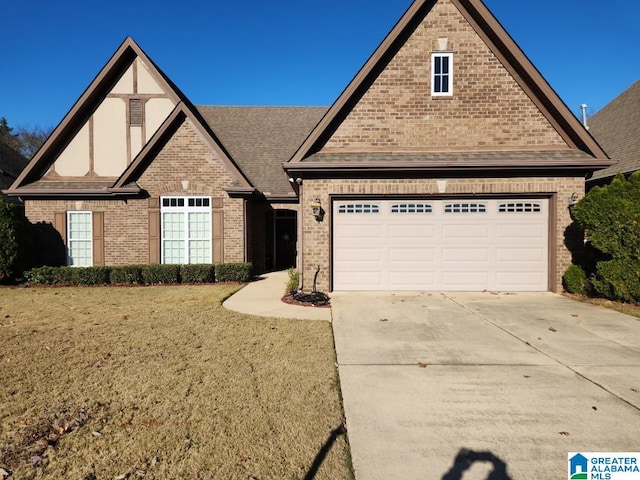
442,74
135,111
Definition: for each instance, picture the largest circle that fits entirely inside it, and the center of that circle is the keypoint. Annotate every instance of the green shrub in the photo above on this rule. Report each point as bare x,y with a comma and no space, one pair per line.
294,280
618,280
16,241
41,275
90,275
611,217
233,272
126,274
160,273
575,280
197,273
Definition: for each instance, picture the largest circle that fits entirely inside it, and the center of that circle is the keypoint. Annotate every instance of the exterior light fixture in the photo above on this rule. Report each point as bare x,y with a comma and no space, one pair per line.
316,208
572,200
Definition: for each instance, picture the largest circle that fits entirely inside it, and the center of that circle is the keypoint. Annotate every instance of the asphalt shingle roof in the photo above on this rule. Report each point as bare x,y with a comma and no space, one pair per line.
617,129
259,139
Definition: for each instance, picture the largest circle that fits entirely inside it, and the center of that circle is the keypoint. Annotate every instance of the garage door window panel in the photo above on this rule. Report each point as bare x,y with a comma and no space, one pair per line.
358,208
465,208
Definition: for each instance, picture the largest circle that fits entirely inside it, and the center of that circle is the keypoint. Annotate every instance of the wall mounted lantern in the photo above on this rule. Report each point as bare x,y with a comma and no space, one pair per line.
316,208
572,200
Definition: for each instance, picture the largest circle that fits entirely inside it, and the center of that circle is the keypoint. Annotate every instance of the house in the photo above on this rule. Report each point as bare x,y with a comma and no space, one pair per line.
11,164
617,128
446,164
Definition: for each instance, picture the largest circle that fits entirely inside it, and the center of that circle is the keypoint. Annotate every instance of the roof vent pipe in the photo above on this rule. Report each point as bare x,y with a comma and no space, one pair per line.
583,107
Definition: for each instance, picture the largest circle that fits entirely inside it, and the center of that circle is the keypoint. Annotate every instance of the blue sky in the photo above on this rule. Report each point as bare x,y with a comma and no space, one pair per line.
284,52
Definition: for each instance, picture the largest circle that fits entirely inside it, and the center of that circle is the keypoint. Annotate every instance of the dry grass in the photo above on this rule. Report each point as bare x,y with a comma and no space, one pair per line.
160,383
626,308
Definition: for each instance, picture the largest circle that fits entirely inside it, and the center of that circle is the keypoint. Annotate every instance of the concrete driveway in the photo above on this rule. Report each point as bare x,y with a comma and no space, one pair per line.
452,386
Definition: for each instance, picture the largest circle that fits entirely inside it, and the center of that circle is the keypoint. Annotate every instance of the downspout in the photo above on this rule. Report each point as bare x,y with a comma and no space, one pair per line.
246,230
300,246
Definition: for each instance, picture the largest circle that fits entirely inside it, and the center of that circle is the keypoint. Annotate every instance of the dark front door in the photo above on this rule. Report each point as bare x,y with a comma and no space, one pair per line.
286,233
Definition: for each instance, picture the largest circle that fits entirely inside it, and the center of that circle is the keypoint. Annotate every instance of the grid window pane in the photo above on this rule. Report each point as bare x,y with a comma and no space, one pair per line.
199,224
186,230
173,251
79,239
173,225
199,251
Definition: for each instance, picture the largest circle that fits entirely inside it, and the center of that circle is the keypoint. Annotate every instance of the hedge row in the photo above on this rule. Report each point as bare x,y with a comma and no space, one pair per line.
155,274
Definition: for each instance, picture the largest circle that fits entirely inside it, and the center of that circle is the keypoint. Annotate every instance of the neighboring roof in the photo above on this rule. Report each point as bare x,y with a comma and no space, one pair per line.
260,139
11,164
500,43
617,128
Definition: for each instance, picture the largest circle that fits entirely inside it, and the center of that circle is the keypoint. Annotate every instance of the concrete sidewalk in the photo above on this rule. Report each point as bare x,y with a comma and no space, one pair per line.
262,297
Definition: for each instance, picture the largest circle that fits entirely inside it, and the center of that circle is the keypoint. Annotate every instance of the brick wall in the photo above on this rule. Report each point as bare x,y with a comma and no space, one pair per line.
186,166
317,235
487,109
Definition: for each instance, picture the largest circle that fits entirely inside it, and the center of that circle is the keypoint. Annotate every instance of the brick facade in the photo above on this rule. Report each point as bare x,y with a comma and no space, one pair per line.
488,108
185,166
316,242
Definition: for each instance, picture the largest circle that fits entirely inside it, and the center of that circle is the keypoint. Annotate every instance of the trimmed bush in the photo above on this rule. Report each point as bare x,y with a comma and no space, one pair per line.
294,281
197,273
16,241
233,272
611,217
42,275
160,273
618,280
575,280
90,275
126,274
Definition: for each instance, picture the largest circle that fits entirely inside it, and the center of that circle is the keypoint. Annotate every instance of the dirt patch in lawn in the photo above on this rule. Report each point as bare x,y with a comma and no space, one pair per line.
162,382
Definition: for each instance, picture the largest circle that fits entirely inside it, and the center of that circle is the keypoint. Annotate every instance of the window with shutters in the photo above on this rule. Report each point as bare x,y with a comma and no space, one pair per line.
186,229
79,239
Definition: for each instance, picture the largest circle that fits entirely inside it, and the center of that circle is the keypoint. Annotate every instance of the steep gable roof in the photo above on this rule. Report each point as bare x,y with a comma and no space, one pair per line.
505,50
29,181
617,128
260,138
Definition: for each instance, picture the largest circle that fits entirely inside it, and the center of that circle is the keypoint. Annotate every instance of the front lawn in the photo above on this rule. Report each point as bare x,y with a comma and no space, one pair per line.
162,382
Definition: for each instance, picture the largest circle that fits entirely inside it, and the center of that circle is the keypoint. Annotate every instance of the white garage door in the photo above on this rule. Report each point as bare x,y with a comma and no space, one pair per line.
454,245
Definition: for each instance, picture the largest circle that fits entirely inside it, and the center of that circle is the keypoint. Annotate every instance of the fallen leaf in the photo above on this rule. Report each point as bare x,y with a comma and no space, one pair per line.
154,460
574,315
384,319
634,390
527,376
96,433
566,434
595,408
422,365
551,329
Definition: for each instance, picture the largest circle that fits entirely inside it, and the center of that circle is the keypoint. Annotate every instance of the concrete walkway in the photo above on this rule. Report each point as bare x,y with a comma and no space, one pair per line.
262,297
